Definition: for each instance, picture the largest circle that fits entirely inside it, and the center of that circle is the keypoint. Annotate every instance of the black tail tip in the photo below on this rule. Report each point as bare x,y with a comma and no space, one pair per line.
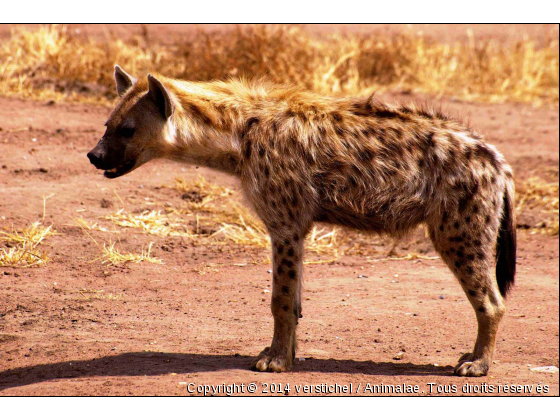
506,249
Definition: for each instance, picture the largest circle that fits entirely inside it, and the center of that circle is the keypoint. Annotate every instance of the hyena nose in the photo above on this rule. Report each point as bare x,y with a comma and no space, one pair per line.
95,158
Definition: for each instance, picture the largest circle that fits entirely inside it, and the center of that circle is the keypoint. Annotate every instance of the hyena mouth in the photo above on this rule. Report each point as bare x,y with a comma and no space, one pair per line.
119,170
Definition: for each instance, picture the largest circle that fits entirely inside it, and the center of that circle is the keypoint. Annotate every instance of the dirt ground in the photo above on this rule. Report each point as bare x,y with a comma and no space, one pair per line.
78,327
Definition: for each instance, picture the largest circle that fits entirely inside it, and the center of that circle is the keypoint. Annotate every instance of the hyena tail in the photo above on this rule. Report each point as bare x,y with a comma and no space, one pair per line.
506,248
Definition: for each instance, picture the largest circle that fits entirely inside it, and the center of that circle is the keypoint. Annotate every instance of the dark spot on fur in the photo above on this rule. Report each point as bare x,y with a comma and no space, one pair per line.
286,242
456,239
468,219
292,274
280,249
470,257
470,270
287,263
285,308
484,290
477,242
472,293
458,264
279,270
336,116
487,220
430,142
456,225
441,228
285,290
296,237
462,281
250,122
483,151
388,114
199,114
294,200
361,108
460,254
261,151
445,216
365,155
248,149
291,252
481,309
468,196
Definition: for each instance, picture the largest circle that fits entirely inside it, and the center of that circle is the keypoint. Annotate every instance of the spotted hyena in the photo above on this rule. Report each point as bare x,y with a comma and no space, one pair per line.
304,158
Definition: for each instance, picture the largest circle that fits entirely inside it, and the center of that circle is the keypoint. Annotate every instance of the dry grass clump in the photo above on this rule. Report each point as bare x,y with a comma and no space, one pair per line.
152,222
537,194
52,63
22,246
534,192
114,256
85,225
199,193
220,218
91,294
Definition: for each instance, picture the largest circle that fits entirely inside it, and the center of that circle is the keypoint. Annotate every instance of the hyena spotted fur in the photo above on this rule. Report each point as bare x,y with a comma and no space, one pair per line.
304,158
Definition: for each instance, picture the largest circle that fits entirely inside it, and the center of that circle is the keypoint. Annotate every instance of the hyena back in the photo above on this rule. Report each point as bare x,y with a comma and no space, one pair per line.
303,158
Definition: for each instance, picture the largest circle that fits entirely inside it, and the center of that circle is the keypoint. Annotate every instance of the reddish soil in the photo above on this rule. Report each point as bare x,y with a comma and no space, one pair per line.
77,327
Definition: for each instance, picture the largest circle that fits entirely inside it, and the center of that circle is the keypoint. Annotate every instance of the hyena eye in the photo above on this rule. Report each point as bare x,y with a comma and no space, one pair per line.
125,132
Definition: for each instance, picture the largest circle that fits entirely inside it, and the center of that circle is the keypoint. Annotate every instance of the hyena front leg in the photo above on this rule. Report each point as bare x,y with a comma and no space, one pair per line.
287,251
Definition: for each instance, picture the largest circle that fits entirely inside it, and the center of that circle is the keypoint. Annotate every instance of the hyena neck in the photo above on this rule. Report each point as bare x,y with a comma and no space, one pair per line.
207,126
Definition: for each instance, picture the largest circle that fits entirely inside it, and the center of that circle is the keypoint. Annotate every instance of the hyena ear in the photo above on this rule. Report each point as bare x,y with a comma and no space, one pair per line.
124,80
160,96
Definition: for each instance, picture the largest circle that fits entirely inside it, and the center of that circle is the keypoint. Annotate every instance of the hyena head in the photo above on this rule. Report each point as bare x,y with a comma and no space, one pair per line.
137,128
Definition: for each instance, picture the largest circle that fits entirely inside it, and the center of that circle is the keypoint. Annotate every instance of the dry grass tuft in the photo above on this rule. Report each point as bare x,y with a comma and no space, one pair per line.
22,246
85,225
221,218
199,193
113,256
534,192
538,195
152,222
91,294
51,63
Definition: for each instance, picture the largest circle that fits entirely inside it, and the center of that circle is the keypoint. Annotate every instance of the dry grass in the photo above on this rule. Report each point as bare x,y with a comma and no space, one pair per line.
220,218
22,246
199,193
535,194
51,63
91,294
85,225
152,222
113,256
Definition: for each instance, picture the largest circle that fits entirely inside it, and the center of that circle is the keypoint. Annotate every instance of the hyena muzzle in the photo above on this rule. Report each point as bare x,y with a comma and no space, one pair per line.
303,158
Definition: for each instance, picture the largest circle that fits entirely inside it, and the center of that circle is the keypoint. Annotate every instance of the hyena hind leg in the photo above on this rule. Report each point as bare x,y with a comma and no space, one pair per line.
466,244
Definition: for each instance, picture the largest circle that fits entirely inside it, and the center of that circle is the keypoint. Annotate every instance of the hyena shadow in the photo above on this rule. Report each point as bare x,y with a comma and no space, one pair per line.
155,364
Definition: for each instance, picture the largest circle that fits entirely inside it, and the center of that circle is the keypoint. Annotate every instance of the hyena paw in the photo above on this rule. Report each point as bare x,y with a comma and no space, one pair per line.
469,367
271,361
